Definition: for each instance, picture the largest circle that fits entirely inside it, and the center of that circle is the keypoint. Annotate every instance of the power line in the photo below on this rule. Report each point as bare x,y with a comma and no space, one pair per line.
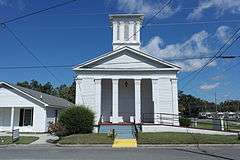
204,57
148,21
37,12
193,23
72,65
197,72
29,51
219,51
3,24
148,26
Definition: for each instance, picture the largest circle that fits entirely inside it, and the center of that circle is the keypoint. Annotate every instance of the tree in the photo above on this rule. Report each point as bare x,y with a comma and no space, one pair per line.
191,106
66,92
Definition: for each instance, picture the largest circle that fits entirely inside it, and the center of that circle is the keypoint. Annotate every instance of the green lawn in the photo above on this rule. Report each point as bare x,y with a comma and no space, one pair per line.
22,140
207,124
185,138
93,138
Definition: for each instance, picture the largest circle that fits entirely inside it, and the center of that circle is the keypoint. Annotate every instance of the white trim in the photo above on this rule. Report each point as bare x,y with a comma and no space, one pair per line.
175,67
126,69
9,85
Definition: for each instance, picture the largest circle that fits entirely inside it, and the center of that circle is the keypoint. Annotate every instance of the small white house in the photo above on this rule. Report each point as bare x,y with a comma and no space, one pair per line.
27,110
127,84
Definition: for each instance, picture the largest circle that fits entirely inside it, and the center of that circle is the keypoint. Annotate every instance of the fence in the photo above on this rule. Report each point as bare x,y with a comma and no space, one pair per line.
220,124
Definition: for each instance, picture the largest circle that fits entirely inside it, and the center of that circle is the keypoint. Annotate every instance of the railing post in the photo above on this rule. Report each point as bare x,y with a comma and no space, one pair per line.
113,134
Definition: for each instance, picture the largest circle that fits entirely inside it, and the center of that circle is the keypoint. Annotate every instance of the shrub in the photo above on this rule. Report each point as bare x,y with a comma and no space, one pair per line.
57,129
77,119
184,121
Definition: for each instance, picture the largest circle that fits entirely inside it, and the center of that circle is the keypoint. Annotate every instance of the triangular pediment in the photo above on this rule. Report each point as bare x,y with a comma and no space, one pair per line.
127,58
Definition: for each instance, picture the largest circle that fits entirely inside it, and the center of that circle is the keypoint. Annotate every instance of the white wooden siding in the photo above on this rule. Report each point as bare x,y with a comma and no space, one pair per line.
124,61
87,93
165,96
10,99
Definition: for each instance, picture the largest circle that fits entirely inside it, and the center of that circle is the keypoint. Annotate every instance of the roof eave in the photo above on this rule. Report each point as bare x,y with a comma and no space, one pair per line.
7,84
123,48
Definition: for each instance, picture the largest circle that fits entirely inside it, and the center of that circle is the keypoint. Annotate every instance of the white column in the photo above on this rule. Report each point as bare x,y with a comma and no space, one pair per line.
138,31
98,99
121,31
115,118
174,100
78,97
114,27
155,96
12,119
131,31
137,83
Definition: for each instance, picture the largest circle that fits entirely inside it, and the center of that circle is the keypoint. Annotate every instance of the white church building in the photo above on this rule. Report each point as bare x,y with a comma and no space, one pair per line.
127,85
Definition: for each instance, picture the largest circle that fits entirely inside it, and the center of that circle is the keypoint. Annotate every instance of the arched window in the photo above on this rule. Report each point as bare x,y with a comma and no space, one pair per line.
126,32
118,31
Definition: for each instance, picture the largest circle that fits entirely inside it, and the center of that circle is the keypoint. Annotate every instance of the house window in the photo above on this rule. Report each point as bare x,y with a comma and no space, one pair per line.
126,32
26,117
56,116
118,31
135,31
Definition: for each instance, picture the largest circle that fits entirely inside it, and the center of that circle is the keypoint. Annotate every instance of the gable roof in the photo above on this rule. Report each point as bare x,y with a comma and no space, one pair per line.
43,98
84,65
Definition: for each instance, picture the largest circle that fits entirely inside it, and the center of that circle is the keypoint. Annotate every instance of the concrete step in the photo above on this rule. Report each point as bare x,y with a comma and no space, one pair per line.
122,131
125,136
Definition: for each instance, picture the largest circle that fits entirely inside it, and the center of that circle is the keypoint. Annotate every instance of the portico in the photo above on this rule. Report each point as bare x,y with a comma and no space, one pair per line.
124,100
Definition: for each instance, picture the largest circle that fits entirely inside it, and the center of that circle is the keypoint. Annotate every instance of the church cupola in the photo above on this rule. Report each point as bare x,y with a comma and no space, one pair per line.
126,30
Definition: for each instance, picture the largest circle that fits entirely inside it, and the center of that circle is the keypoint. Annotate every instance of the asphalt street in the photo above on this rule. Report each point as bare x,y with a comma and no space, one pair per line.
91,153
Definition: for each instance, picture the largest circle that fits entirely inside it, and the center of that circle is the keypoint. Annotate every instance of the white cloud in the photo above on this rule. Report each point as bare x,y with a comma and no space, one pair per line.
199,44
18,4
207,87
223,33
217,77
148,8
3,2
221,6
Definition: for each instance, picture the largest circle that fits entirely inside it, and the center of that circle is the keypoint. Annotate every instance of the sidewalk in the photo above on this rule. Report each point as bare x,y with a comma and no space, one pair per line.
43,138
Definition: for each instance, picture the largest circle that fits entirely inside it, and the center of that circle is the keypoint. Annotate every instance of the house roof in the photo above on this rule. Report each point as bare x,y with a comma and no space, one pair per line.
45,99
106,55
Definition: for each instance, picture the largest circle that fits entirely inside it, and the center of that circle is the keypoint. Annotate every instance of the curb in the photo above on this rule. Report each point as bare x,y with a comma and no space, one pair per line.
186,145
151,145
110,145
84,145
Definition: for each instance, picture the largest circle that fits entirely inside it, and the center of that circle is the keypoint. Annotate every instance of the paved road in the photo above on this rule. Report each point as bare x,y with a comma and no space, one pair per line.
171,153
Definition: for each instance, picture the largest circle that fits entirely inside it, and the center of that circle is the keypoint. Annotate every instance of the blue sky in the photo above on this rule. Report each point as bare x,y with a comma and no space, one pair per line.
81,31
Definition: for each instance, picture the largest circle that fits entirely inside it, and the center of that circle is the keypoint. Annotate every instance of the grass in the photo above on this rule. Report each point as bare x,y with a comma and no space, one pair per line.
185,138
93,138
204,125
4,140
207,124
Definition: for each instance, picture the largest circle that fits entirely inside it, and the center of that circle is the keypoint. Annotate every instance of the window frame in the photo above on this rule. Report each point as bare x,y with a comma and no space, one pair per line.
22,117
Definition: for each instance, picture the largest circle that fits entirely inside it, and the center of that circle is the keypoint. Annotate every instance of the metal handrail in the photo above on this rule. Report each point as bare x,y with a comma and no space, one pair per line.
135,130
